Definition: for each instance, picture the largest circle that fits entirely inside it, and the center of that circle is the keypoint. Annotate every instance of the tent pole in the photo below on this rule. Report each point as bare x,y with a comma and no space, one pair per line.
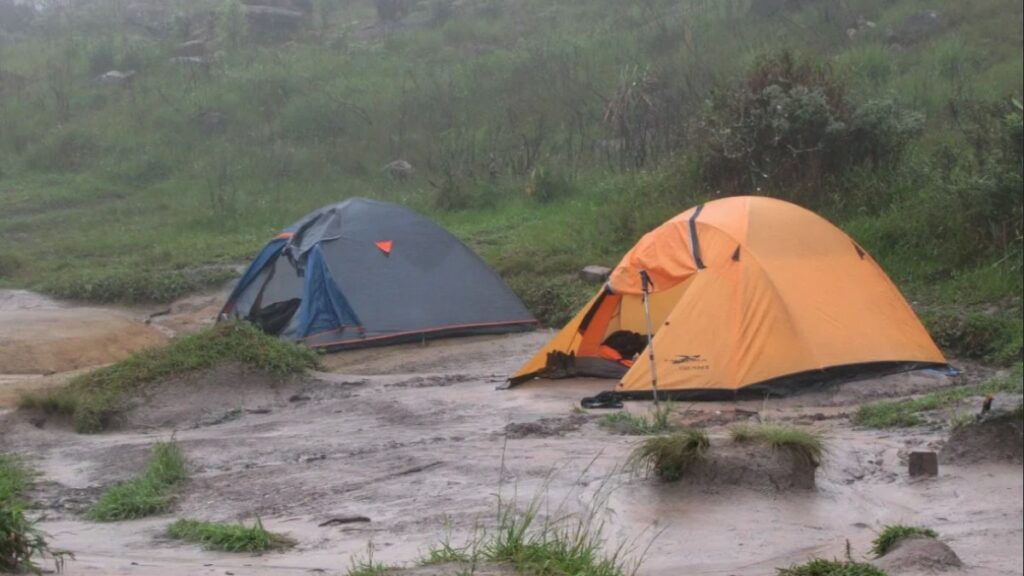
646,282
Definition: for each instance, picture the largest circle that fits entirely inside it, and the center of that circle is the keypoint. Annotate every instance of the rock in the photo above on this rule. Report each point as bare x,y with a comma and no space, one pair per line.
924,464
116,77
399,170
191,48
190,61
995,436
918,554
273,20
296,5
595,274
211,122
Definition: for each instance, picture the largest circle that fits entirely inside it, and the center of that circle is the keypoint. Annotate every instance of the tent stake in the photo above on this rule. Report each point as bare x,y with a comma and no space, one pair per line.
646,281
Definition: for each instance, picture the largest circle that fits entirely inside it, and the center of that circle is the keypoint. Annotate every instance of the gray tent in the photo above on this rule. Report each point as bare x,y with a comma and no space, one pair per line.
363,273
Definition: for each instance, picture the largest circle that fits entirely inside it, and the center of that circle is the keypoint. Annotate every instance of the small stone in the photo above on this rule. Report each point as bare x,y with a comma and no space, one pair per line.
924,464
595,274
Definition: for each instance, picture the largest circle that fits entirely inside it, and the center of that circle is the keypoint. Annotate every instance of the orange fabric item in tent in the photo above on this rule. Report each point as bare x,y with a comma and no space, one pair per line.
748,290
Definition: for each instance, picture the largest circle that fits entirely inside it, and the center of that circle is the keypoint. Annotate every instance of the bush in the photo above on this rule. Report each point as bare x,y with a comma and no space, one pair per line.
892,534
670,456
148,494
790,127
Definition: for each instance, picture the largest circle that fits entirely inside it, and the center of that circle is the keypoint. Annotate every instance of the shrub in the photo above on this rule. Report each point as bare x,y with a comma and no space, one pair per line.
892,534
669,456
791,126
148,494
229,537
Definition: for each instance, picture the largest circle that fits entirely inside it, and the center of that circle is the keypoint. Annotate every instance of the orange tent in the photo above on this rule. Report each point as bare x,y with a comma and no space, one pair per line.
748,293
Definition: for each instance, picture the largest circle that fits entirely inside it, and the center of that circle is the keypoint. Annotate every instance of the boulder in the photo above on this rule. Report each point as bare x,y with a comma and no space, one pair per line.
192,48
918,554
190,61
595,274
271,19
399,170
116,77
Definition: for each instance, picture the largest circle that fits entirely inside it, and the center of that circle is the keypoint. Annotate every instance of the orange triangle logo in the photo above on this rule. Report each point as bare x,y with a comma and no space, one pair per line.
384,245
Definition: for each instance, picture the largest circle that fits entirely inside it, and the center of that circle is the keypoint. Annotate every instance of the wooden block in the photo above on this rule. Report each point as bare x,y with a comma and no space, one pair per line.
924,464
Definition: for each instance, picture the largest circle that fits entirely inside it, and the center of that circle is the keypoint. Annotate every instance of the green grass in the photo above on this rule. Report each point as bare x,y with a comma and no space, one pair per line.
808,446
151,493
822,567
144,200
669,456
229,537
13,477
96,399
365,565
903,413
892,534
22,544
625,422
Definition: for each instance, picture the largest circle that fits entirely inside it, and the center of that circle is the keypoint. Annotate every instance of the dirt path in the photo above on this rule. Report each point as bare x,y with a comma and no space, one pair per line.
414,438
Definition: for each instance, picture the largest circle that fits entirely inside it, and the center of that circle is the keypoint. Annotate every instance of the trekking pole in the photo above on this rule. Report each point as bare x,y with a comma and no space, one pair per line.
646,282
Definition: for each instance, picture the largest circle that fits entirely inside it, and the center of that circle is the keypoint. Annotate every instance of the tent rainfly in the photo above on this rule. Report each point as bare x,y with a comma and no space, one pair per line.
364,273
747,294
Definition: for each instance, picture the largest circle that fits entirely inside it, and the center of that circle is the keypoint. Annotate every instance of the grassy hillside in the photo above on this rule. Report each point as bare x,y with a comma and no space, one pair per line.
548,134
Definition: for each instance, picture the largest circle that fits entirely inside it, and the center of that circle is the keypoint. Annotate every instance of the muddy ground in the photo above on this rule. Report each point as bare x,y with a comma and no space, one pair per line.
417,440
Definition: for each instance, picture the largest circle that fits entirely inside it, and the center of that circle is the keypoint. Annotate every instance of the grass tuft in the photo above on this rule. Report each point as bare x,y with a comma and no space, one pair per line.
892,534
95,400
807,446
630,424
13,477
822,567
366,565
902,413
229,537
149,494
21,543
669,456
